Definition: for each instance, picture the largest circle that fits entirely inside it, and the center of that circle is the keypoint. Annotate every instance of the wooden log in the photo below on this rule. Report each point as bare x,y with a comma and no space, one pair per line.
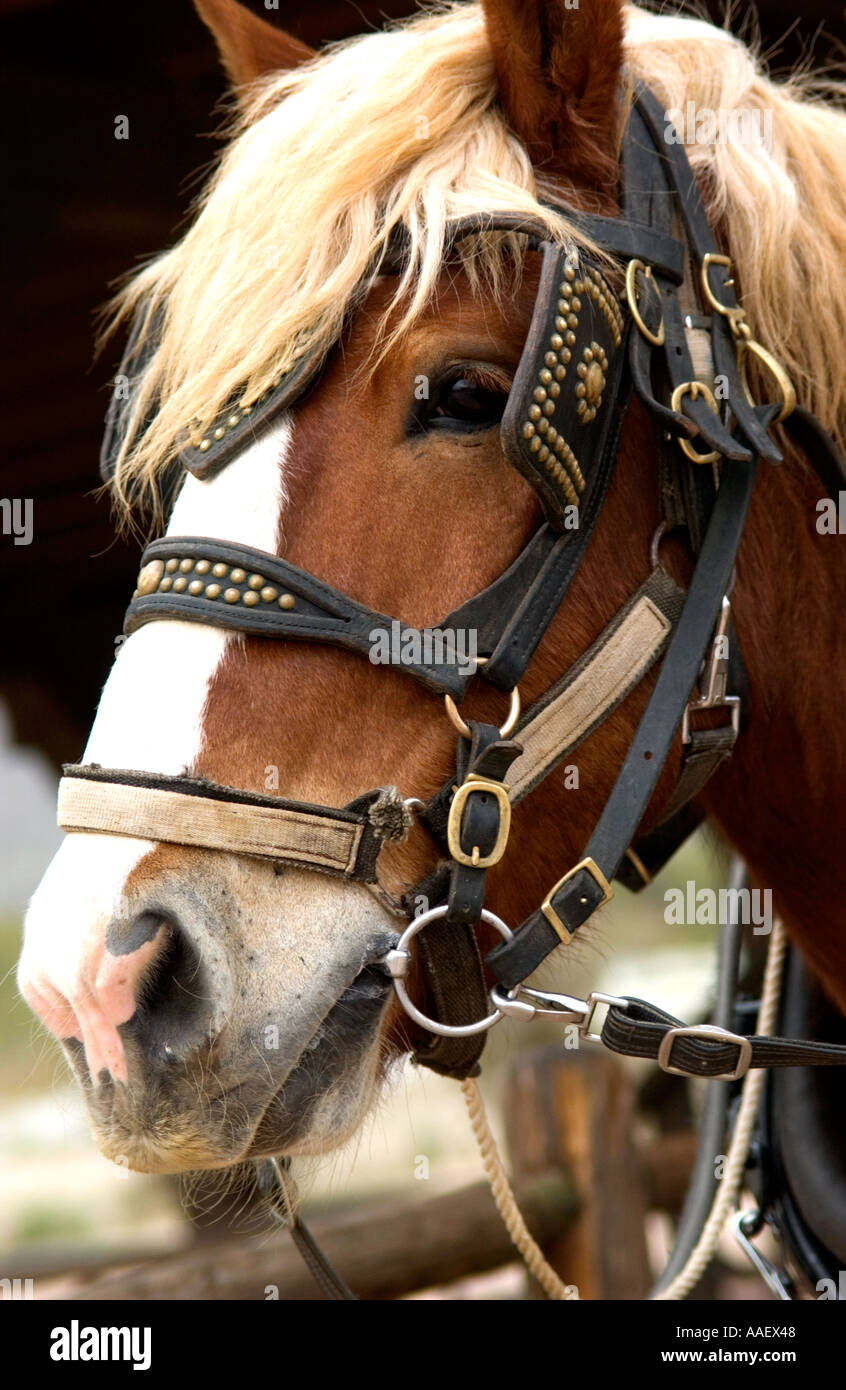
573,1111
382,1251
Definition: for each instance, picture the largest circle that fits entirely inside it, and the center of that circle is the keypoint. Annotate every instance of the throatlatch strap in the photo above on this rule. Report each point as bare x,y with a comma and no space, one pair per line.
185,811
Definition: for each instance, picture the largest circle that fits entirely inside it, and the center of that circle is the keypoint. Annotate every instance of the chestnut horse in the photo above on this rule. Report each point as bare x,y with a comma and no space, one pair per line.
160,966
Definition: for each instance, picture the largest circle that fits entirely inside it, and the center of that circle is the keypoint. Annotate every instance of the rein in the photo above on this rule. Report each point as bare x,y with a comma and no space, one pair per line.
673,321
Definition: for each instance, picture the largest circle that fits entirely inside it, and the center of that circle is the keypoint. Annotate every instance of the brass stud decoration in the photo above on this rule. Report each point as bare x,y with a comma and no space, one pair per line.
592,372
149,578
577,287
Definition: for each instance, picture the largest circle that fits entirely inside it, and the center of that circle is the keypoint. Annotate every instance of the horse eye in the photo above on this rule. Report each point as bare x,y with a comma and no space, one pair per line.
464,403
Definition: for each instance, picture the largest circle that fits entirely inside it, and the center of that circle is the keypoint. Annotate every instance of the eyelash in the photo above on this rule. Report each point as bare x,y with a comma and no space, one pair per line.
487,383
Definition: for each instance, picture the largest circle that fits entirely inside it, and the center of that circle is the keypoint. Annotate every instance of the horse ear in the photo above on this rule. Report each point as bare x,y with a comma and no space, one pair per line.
249,46
559,64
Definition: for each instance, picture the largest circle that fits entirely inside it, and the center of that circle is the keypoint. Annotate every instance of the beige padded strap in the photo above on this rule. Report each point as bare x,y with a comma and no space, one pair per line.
612,667
150,813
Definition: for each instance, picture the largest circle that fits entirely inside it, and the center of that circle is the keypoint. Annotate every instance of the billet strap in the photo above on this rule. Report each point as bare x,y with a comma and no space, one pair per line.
587,887
642,1030
186,811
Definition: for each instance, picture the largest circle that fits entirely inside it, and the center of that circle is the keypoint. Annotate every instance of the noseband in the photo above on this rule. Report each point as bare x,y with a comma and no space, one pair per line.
594,338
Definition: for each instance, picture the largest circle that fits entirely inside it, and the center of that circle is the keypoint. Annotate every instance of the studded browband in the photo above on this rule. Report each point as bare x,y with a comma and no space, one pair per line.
589,344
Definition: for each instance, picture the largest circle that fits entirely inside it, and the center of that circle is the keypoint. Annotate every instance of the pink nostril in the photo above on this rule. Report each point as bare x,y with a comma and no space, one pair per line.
119,982
101,993
143,980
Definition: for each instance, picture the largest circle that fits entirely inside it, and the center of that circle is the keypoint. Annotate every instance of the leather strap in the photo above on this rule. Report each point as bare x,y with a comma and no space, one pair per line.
805,430
478,831
584,696
578,896
640,1028
190,811
707,750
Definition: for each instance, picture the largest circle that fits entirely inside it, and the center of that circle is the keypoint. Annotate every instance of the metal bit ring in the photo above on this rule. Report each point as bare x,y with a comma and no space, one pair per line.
399,959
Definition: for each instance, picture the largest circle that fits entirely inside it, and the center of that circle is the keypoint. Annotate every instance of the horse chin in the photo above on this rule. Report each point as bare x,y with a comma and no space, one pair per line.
196,1121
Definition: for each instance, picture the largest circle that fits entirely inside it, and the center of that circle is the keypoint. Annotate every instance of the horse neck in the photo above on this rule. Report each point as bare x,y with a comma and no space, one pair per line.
777,800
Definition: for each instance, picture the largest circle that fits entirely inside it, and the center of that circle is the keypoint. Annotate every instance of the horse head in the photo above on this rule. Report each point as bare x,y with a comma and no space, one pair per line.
219,1005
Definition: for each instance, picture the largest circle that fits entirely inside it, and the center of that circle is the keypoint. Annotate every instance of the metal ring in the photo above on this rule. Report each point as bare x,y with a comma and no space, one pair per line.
785,385
444,1030
656,339
694,389
459,724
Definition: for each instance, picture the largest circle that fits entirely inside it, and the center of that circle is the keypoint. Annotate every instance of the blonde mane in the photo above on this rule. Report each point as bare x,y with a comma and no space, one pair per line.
403,127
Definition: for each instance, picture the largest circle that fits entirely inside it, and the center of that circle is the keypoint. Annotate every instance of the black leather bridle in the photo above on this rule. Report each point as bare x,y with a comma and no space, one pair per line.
592,340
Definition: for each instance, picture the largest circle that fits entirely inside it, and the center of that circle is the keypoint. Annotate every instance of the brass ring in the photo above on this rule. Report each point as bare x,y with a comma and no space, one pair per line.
657,339
785,385
459,724
695,388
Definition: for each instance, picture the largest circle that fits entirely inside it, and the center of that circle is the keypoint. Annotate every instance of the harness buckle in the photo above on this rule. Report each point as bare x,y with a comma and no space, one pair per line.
713,680
475,860
656,337
709,1032
735,314
549,911
694,389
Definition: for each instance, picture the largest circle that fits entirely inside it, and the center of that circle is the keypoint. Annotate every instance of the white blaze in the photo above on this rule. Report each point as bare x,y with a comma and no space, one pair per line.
150,714
150,719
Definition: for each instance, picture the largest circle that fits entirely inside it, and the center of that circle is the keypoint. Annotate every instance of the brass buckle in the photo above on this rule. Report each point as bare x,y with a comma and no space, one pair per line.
746,343
656,338
694,389
475,860
549,911
735,314
776,370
